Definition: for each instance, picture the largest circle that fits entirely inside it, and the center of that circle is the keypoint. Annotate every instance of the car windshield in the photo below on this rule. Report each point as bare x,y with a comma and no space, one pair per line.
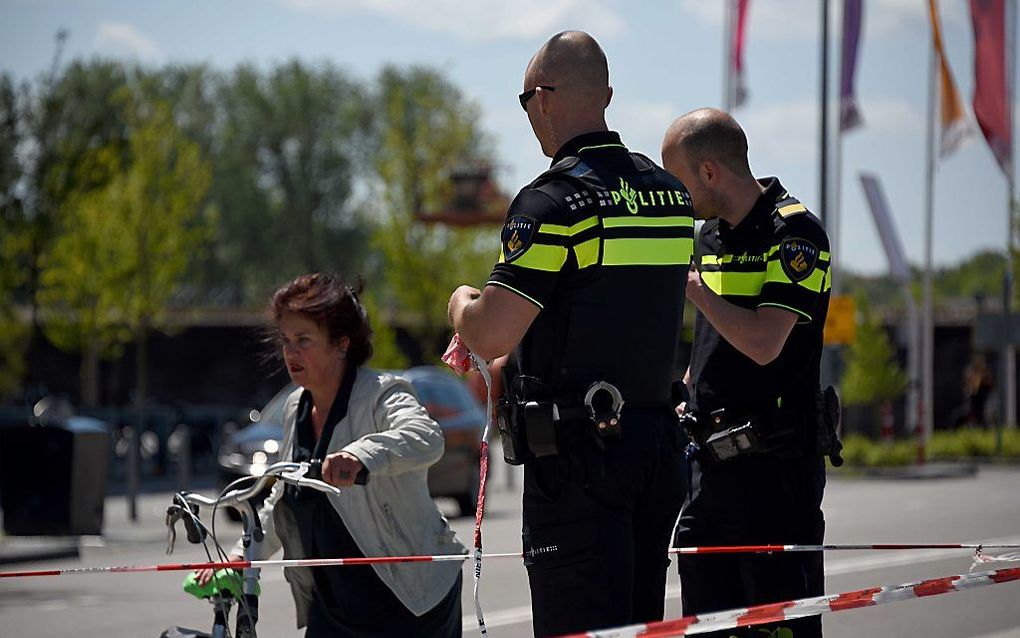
443,397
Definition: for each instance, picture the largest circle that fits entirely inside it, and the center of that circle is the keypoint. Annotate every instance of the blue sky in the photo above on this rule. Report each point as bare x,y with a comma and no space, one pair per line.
665,59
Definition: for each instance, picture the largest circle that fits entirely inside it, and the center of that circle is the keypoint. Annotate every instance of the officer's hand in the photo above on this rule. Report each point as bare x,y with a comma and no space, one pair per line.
680,409
460,298
340,469
205,575
695,287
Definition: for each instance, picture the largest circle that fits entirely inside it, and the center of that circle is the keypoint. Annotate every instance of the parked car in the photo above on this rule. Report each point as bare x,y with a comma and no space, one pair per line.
447,400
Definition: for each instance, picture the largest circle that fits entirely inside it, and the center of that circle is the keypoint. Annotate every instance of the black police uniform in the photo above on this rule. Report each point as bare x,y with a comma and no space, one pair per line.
777,256
601,243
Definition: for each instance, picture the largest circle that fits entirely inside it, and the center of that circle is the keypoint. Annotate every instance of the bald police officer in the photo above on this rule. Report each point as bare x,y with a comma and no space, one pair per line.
588,291
760,421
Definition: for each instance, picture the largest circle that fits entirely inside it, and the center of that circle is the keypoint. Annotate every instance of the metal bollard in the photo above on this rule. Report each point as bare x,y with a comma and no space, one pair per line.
183,455
134,457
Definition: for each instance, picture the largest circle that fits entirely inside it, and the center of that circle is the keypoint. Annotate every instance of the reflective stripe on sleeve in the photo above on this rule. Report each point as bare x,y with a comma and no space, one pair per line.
542,257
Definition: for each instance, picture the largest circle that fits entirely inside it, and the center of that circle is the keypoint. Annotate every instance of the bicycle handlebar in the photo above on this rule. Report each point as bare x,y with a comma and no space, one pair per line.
301,474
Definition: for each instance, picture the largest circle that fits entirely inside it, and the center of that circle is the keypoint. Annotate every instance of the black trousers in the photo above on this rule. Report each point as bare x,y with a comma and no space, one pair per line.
597,524
753,501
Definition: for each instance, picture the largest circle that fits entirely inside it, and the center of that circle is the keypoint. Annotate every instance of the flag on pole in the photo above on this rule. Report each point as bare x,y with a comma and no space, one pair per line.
991,91
736,62
953,115
849,114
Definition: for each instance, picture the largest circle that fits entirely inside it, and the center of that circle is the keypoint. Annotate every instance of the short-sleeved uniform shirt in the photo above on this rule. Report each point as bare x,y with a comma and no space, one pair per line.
777,256
601,243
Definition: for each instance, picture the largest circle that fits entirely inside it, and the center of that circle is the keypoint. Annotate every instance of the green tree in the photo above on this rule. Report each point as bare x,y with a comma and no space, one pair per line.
13,332
286,158
124,245
872,373
425,130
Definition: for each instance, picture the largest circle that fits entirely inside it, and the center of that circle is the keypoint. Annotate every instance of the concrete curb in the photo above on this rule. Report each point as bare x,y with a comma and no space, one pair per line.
912,472
30,551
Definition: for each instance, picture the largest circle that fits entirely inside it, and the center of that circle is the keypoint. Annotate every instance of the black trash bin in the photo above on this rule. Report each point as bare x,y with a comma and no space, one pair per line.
53,477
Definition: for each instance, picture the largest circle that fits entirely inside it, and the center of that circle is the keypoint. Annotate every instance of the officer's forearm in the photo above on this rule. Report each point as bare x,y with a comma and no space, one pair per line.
478,333
758,334
492,324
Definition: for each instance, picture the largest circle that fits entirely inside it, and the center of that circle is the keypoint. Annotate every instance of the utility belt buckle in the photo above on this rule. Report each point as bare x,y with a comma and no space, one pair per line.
731,442
604,403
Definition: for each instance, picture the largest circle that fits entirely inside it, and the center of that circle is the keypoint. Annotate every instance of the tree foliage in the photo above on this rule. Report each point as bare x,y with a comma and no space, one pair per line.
425,129
114,176
123,247
872,373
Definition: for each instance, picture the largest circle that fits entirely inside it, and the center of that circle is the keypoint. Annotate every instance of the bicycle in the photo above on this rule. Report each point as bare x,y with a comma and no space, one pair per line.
226,587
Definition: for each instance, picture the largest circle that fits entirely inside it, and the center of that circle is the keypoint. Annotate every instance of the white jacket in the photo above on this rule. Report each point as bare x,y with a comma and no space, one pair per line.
393,515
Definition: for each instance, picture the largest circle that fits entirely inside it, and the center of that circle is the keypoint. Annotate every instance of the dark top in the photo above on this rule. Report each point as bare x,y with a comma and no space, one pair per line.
349,601
778,255
601,243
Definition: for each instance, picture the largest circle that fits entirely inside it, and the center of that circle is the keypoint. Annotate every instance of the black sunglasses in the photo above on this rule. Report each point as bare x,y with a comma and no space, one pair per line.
530,93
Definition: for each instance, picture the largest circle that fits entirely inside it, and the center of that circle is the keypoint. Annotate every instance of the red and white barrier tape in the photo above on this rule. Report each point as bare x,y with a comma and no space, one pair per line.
790,610
483,474
979,557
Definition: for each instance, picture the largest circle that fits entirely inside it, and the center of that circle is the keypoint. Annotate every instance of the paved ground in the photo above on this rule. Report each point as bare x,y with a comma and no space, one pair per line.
974,509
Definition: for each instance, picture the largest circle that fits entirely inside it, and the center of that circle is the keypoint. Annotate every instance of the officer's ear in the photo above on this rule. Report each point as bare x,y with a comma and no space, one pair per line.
609,96
708,171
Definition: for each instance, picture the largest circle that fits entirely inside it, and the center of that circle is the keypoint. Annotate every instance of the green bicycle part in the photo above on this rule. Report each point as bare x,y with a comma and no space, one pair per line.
225,581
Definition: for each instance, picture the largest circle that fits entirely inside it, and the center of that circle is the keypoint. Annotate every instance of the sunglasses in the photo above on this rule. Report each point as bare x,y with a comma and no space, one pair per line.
530,93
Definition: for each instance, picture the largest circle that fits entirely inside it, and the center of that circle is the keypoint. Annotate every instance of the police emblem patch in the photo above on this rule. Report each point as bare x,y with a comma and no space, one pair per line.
798,257
518,233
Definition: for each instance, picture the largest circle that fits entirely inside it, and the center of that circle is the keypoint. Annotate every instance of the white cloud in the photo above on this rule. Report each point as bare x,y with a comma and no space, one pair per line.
642,124
123,39
891,117
786,131
483,19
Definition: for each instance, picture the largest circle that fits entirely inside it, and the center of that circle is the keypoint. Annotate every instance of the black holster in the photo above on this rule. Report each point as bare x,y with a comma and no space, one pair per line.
527,429
828,415
789,431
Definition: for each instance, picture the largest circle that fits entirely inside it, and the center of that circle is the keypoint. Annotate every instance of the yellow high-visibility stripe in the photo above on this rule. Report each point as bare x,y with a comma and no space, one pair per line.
655,251
568,231
681,221
587,253
790,209
743,284
543,257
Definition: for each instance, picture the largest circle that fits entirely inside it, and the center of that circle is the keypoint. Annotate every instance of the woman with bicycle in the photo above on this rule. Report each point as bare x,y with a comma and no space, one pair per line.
368,428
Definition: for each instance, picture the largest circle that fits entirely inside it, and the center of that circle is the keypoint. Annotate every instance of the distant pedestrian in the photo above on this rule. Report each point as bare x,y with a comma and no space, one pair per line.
977,387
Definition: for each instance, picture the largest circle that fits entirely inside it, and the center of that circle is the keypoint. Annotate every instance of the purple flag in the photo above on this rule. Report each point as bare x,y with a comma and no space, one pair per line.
849,115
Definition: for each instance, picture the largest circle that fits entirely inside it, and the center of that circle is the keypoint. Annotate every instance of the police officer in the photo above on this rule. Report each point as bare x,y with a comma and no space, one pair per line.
588,290
760,422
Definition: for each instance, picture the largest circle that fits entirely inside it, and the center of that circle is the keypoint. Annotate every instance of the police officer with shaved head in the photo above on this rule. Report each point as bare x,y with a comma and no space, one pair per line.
756,412
588,292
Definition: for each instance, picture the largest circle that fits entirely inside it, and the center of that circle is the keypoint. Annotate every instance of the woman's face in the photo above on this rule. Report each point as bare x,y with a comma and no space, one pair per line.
312,360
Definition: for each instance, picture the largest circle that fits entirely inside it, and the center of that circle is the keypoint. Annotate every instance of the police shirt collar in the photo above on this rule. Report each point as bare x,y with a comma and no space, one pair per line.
609,140
763,207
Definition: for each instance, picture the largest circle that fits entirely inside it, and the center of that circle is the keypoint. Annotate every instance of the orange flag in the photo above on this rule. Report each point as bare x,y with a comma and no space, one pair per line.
953,115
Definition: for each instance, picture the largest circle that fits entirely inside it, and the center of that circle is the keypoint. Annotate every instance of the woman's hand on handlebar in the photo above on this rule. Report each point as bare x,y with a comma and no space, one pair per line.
205,575
340,469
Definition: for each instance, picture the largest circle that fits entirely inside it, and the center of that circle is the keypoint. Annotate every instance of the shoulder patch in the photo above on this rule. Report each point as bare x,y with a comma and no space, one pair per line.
798,258
518,234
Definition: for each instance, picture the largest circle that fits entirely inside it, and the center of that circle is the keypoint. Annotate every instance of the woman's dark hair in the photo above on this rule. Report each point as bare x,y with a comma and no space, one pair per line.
332,303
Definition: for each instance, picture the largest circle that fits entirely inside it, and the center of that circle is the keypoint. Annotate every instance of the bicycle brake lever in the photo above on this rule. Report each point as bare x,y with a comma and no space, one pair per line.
171,529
